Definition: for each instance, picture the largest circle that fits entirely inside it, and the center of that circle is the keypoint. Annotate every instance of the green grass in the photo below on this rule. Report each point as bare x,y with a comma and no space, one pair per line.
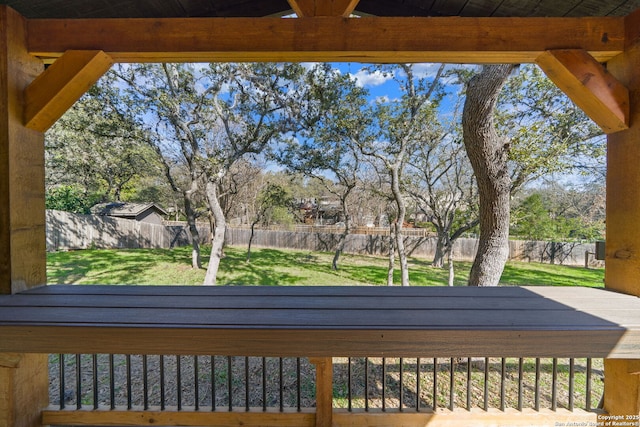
278,267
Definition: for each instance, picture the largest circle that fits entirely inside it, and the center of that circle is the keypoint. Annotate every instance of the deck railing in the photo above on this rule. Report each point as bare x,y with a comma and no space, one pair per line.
85,385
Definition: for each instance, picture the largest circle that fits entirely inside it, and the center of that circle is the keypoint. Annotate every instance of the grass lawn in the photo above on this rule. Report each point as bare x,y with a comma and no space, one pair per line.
277,267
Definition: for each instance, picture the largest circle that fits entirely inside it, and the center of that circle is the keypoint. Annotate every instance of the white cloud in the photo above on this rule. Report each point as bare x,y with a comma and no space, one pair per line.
365,78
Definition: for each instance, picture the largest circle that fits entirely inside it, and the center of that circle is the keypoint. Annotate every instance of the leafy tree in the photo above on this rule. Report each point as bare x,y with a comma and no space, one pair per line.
70,198
203,120
548,134
556,214
96,148
397,128
324,149
271,201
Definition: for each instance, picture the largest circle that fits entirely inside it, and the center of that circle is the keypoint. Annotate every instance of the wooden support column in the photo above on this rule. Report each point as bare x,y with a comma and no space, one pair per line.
22,219
324,390
23,378
24,383
622,259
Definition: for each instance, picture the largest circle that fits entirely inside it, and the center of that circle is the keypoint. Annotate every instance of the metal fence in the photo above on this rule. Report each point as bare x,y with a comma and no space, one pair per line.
211,383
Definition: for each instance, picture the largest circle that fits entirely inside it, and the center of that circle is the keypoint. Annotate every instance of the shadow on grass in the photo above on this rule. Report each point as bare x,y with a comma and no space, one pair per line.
260,271
109,266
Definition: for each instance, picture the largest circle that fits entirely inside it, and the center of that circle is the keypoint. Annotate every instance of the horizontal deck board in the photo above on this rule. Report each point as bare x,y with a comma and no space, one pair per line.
323,321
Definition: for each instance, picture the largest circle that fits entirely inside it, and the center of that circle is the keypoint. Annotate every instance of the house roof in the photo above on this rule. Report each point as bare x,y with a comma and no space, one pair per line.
235,8
125,210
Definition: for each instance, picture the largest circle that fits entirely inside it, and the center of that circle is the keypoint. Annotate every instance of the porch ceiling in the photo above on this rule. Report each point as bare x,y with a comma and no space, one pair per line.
250,8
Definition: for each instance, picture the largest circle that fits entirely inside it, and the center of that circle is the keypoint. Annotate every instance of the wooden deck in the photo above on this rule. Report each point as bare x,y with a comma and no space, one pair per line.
322,321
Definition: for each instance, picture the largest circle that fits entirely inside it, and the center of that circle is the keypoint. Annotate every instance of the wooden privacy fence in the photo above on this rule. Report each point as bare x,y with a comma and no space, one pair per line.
73,231
67,230
464,249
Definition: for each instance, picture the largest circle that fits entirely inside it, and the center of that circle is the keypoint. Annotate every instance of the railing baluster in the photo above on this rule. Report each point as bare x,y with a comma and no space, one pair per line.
264,384
520,383
196,383
179,381
299,385
61,390
554,385
486,384
281,382
213,383
129,400
78,382
162,389
246,384
349,397
503,373
95,380
571,382
537,386
469,364
384,384
366,384
435,383
587,403
452,378
418,378
401,384
112,382
145,381
229,383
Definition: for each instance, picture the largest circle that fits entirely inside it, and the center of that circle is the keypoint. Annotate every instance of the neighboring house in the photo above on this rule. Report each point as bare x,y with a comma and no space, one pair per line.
143,212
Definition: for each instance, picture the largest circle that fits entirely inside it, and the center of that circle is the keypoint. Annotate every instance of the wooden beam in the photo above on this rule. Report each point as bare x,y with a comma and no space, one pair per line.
589,85
62,84
441,39
311,8
441,418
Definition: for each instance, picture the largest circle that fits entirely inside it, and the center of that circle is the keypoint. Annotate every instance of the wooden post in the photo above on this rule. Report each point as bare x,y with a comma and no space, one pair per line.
23,378
22,219
324,390
622,258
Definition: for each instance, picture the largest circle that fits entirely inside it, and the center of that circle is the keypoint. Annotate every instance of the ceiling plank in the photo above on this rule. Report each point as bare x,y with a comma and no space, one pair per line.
55,90
379,39
600,95
312,8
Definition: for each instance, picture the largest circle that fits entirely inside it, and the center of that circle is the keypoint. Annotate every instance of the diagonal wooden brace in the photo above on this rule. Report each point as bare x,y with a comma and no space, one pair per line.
310,8
587,82
55,90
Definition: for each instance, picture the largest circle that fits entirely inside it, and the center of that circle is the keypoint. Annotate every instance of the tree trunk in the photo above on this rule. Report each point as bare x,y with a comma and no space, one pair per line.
451,270
398,196
253,227
488,154
190,213
343,237
442,240
217,242
392,253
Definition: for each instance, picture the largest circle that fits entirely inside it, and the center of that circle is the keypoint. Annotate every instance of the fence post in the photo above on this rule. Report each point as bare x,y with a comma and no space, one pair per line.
324,390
